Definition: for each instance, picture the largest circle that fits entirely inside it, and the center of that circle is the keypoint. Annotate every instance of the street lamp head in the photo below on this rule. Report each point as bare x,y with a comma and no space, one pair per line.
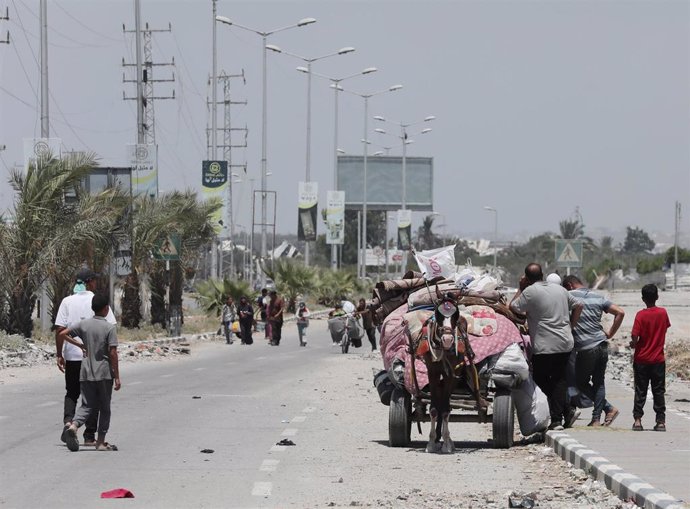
429,118
365,141
269,173
340,151
379,118
409,142
492,209
379,130
369,70
378,153
273,47
337,87
224,19
427,130
345,50
394,88
305,22
301,69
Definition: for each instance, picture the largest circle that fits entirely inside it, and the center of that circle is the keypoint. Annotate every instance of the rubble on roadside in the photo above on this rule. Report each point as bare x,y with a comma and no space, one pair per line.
17,351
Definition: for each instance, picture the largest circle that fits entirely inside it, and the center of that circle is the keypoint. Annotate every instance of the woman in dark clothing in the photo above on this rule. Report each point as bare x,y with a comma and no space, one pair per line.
246,314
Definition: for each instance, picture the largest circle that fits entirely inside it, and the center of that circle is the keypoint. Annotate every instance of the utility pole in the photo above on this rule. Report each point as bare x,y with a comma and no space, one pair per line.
45,127
146,125
6,17
227,146
675,255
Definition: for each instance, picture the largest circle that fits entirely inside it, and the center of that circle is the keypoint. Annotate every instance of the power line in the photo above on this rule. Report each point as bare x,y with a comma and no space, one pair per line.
85,26
32,106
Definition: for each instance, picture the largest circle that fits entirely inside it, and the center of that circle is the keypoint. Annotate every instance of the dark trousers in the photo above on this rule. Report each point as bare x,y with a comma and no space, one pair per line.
590,365
246,331
644,375
73,390
549,374
95,401
276,331
371,334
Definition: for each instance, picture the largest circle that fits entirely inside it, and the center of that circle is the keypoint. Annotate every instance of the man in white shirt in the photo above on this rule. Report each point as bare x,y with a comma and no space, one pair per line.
73,309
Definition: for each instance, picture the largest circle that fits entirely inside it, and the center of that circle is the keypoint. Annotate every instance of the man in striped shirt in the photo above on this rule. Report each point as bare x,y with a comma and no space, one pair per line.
591,345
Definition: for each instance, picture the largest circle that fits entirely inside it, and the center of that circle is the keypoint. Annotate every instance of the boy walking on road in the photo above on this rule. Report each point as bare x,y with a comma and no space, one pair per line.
649,363
99,372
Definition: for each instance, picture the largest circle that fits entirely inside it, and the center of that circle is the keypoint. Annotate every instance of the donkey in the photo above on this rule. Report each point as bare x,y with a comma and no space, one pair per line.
445,350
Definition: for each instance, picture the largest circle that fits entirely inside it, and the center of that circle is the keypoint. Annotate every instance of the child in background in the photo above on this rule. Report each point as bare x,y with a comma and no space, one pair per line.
302,322
649,363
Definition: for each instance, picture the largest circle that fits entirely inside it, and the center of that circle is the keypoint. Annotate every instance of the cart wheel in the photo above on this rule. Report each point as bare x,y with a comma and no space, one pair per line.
345,343
399,418
503,422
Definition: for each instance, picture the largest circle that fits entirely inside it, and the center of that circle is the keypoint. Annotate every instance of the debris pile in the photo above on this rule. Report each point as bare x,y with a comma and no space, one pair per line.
16,351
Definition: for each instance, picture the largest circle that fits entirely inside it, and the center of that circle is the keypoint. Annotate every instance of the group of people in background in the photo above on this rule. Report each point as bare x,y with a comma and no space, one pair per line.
240,319
569,343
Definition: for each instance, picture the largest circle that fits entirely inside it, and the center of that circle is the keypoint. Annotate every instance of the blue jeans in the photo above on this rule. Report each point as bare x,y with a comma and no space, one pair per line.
590,374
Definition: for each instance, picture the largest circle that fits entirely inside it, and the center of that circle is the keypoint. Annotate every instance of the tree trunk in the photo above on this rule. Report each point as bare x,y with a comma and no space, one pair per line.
176,286
157,282
131,302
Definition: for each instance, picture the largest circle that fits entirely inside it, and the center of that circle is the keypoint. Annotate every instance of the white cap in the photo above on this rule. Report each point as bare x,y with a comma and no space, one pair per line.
553,278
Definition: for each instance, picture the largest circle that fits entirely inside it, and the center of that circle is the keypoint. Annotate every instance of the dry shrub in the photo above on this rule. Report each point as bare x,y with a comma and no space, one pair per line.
678,359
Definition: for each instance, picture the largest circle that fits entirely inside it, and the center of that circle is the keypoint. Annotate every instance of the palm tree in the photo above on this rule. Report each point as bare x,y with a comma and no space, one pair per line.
54,224
332,286
426,238
151,221
212,294
292,280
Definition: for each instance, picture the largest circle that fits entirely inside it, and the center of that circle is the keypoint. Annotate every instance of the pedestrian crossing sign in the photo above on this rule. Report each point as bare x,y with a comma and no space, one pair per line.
168,248
568,253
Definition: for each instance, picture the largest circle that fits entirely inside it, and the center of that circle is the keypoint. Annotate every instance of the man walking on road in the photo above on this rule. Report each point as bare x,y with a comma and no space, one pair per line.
551,314
591,347
73,309
98,374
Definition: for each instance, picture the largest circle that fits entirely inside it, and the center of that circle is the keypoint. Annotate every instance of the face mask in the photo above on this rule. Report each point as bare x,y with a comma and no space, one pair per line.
79,287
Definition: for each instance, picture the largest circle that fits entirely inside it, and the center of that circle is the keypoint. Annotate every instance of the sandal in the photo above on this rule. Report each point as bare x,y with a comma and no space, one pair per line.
637,427
105,446
611,416
660,426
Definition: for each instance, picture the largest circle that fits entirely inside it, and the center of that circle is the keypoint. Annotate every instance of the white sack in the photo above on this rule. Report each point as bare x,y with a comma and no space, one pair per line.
437,262
512,360
532,407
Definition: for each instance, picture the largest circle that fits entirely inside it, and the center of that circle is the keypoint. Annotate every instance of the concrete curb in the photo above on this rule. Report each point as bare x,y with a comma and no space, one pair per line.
625,486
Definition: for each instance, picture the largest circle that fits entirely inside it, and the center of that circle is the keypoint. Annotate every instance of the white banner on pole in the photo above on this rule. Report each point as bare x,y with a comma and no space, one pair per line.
143,159
35,148
335,217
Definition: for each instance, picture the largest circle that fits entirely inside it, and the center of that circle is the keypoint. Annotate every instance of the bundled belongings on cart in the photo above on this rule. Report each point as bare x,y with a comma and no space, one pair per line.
338,324
498,347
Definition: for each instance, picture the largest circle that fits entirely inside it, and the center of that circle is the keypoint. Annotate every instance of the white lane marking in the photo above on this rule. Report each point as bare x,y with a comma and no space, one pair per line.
167,376
308,410
289,432
199,369
262,489
260,358
133,383
278,448
299,418
47,403
269,465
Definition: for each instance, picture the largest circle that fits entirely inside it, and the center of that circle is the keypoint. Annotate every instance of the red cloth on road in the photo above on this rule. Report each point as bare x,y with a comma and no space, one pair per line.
117,493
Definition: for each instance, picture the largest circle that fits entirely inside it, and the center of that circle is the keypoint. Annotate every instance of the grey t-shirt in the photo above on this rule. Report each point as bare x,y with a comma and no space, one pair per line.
548,309
588,331
98,336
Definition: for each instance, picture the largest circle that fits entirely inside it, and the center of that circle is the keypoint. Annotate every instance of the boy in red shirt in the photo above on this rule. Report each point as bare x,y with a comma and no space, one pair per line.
648,339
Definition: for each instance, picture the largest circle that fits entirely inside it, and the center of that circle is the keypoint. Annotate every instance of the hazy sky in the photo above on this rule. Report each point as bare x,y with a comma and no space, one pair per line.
541,107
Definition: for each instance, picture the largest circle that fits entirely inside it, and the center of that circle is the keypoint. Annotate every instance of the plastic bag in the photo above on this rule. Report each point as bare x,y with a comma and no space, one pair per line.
437,262
235,327
512,360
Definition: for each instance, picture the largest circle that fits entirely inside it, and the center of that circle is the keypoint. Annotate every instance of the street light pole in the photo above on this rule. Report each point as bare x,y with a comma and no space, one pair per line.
309,62
335,84
365,142
264,37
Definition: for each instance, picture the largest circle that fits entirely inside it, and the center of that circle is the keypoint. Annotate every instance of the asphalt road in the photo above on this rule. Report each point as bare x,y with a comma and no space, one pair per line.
252,397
